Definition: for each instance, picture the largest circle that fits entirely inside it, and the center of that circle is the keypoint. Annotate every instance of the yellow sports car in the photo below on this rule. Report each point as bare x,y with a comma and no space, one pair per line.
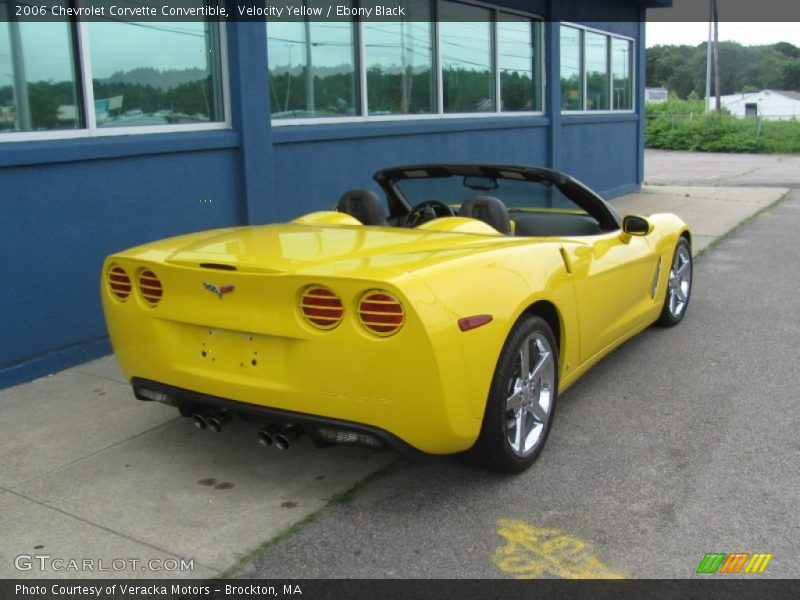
445,319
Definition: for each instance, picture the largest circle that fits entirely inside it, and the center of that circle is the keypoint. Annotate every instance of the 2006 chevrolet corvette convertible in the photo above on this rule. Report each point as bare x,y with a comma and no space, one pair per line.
448,324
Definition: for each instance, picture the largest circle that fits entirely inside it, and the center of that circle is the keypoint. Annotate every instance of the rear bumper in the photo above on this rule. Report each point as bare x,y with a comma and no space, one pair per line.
256,348
308,422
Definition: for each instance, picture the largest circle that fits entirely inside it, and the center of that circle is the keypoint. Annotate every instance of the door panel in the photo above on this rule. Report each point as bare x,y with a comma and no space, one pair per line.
613,279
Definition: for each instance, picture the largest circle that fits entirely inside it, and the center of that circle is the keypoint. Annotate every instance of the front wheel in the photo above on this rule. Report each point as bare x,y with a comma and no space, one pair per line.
522,398
679,286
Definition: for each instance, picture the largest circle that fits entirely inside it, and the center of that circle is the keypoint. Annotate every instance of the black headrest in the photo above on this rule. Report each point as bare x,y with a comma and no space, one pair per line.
488,209
364,205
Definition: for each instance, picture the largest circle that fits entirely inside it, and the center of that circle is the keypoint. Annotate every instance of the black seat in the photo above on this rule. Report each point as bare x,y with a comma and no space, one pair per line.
488,209
364,205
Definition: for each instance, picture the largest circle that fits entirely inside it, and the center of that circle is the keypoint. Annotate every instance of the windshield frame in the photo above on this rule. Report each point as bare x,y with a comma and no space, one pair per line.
582,196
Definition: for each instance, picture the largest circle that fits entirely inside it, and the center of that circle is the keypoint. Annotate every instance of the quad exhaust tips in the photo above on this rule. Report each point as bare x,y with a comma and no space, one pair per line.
280,436
214,420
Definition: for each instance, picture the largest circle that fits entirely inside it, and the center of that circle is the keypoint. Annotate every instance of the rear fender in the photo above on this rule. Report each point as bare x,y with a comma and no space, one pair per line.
503,283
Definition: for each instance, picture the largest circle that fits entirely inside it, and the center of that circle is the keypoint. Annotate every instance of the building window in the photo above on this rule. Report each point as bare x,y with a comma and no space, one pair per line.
468,81
97,77
314,73
571,68
520,70
398,57
155,73
596,70
38,87
621,73
469,60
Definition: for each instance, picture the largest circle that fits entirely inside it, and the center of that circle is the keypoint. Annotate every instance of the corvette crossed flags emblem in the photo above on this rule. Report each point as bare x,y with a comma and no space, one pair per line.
219,291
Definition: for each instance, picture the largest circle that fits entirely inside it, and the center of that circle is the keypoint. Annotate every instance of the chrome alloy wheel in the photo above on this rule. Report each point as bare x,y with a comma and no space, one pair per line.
529,404
680,281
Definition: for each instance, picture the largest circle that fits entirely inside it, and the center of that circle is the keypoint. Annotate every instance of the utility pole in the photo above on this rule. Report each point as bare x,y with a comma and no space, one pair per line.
311,110
716,54
288,78
708,55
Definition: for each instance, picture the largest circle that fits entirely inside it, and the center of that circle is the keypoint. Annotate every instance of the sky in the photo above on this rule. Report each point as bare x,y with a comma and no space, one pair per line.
114,47
747,34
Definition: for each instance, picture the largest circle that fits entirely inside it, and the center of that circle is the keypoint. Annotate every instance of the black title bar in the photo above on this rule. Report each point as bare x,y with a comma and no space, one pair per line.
398,589
386,10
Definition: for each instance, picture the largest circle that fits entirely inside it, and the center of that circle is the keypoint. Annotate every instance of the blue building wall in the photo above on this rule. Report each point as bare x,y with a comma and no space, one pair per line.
60,220
66,204
601,165
345,157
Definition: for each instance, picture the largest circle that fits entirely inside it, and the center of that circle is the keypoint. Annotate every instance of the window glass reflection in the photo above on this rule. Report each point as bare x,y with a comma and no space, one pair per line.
621,53
571,80
38,90
516,50
596,71
399,62
155,73
466,53
312,69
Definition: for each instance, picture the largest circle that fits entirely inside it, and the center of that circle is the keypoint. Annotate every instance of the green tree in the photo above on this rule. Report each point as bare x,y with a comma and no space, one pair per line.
44,105
682,69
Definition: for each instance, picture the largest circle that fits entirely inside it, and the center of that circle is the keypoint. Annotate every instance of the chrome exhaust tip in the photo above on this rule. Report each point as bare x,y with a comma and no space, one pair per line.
199,421
216,421
286,436
266,437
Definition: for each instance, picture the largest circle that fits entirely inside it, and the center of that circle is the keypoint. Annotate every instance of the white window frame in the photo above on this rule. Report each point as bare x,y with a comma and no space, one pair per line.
90,128
584,78
361,77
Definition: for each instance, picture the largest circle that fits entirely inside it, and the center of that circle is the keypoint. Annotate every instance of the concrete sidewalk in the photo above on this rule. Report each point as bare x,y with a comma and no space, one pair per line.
89,473
711,212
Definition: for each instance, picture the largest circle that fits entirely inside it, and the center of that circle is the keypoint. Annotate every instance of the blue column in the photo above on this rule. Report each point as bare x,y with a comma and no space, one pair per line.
552,99
250,115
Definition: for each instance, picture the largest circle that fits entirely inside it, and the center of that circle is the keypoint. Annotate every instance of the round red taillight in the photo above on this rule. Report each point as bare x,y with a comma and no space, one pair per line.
119,283
321,307
381,313
150,287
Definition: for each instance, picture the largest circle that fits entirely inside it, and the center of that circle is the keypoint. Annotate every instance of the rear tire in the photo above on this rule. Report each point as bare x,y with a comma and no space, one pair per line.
679,286
522,399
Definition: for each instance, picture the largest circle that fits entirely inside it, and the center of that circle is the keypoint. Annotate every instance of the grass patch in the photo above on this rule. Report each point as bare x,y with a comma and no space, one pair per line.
340,499
346,497
259,551
684,125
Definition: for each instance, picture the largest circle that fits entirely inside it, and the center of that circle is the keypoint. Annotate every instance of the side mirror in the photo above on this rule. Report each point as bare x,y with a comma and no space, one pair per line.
636,225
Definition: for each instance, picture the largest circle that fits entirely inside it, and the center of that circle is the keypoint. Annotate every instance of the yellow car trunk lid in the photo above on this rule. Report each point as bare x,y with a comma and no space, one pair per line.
292,248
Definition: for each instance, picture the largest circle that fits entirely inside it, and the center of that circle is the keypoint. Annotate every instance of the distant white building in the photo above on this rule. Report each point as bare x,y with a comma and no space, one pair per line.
656,95
769,104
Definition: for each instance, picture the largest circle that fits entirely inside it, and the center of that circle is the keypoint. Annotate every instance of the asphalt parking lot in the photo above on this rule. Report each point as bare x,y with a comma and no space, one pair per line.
663,167
682,442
